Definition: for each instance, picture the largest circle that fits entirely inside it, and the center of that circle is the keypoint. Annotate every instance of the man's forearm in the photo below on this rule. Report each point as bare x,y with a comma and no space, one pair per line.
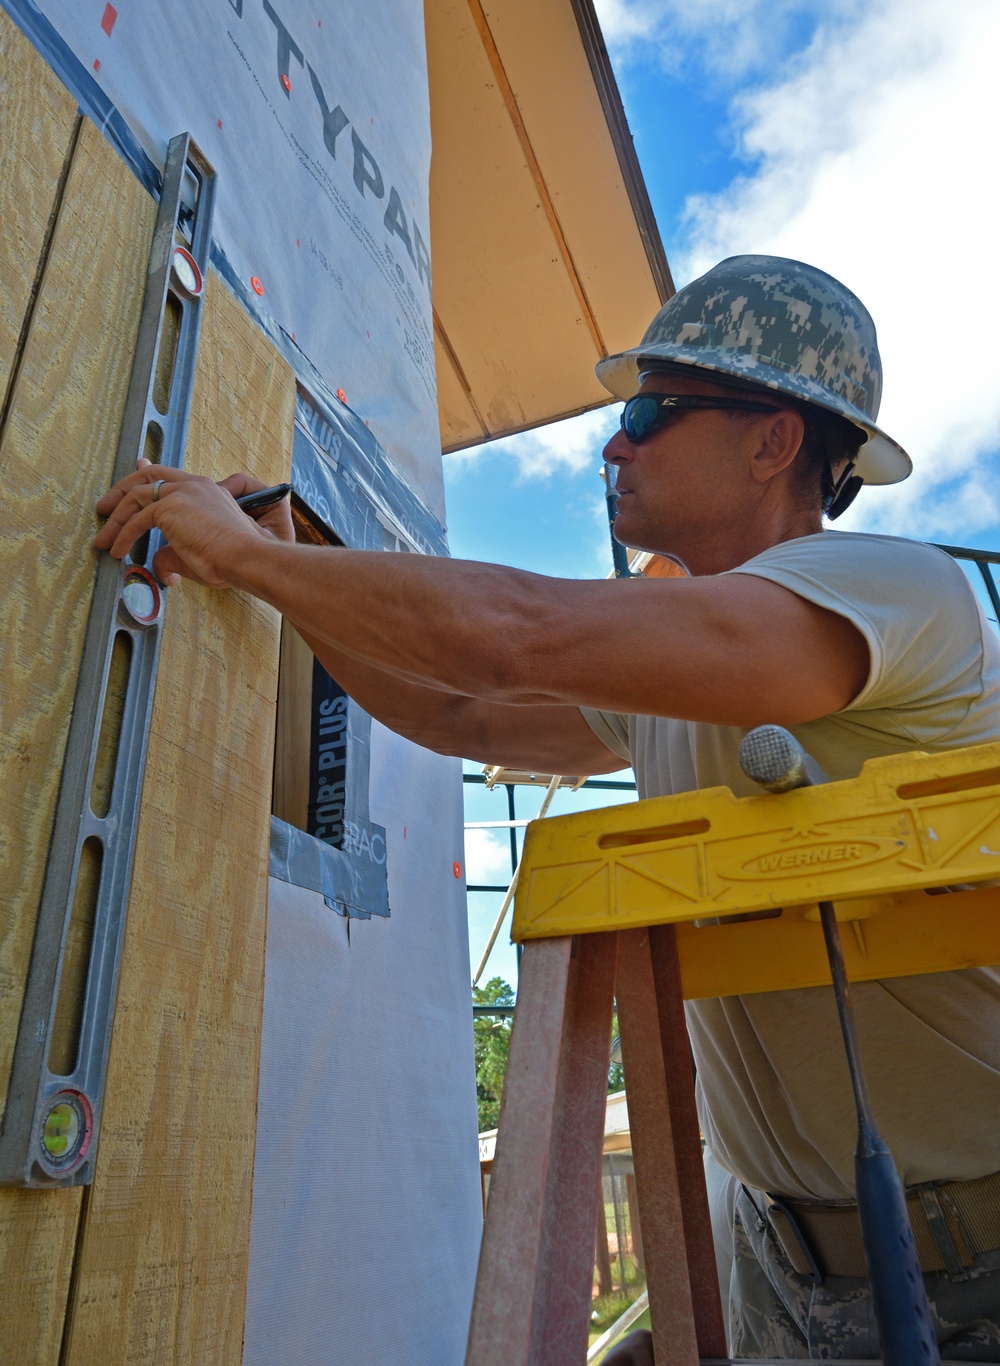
432,717
455,626
510,638
547,738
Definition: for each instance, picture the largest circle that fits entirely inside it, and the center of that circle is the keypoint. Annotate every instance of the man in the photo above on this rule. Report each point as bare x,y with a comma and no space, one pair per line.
751,406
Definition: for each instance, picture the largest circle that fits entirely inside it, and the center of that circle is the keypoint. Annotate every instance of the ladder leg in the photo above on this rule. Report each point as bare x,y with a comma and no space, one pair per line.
666,1148
679,1072
564,1290
533,1291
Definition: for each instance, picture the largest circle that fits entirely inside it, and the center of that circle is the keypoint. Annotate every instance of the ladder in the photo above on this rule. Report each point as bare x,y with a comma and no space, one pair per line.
606,908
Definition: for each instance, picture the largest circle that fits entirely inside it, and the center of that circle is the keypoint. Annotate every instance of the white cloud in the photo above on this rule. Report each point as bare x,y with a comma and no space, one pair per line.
569,447
553,455
487,856
624,20
875,150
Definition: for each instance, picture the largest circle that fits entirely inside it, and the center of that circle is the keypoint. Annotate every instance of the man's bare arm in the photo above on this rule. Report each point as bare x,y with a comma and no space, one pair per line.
733,650
551,739
729,649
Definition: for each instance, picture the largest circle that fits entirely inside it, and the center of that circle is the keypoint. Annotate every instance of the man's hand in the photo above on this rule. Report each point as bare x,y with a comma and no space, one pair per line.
634,1350
207,534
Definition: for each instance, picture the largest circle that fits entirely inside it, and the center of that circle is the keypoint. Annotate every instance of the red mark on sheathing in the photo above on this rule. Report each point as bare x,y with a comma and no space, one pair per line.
297,242
404,832
218,123
341,395
256,285
286,83
456,868
97,63
108,19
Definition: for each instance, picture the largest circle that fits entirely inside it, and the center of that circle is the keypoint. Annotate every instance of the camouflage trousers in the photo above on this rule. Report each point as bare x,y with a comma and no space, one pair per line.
775,1312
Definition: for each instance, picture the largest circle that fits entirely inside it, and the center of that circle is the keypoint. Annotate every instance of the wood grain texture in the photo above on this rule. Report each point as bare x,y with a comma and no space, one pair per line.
678,1072
502,1312
676,1229
161,1273
37,1237
56,451
292,743
565,1281
38,117
655,1156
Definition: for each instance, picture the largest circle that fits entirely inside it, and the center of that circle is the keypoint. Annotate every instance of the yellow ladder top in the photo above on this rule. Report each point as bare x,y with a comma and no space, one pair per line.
873,844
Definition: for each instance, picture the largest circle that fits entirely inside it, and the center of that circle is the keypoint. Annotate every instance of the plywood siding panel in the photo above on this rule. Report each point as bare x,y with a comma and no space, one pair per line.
37,1235
38,118
294,730
56,452
161,1275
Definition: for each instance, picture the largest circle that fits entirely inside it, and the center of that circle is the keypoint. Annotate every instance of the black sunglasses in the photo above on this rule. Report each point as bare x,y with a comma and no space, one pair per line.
644,413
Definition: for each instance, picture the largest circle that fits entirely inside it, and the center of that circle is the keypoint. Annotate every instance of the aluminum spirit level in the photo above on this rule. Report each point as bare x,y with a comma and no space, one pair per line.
52,1118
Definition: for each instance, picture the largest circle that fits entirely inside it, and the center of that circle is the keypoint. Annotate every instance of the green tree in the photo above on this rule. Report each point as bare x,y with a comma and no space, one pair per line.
616,1075
492,1039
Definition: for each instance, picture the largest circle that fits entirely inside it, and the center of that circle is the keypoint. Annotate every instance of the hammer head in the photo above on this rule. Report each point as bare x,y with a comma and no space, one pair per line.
772,757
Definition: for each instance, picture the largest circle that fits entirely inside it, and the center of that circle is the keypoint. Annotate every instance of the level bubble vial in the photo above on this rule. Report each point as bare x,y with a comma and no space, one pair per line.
66,1132
186,275
140,595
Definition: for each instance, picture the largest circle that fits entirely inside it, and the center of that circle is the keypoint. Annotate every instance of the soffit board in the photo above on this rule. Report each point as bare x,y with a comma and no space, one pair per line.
544,251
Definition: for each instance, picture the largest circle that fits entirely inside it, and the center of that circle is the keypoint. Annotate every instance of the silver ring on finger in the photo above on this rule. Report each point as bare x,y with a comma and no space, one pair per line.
158,484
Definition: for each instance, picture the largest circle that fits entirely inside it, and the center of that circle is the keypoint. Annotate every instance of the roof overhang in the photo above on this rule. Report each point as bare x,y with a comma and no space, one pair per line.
545,252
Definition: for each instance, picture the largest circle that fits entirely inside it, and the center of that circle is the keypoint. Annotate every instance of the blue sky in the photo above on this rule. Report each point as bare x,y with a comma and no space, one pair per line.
860,137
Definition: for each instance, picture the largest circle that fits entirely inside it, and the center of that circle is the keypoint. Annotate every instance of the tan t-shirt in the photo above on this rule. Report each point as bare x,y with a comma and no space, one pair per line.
773,1089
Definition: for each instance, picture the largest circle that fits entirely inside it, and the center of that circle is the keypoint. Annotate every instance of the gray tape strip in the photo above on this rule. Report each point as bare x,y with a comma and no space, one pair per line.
352,885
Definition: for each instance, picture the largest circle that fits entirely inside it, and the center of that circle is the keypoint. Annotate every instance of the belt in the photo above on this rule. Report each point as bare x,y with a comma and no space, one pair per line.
953,1223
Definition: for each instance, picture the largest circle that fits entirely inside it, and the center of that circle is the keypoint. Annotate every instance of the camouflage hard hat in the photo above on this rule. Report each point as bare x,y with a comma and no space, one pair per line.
783,325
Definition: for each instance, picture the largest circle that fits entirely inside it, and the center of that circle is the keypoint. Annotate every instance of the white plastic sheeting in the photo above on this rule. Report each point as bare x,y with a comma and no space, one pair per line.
366,1205
322,189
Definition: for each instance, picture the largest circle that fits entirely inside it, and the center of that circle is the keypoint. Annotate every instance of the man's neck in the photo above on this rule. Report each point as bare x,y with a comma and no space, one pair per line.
723,550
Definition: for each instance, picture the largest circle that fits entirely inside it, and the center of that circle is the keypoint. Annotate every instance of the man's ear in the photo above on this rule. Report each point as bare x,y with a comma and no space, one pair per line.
779,439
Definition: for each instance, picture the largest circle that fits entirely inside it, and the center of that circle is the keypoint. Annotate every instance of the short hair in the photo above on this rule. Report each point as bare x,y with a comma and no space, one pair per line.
828,440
